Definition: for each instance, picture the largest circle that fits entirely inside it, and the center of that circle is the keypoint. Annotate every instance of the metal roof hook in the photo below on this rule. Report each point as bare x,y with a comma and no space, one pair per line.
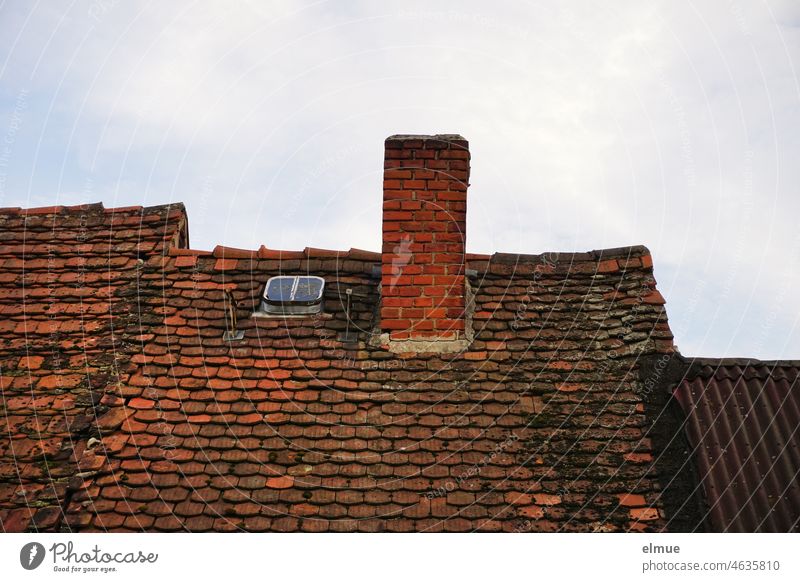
349,337
231,332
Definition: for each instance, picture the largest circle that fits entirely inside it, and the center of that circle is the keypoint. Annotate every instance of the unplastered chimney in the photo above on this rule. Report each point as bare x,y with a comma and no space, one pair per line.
423,292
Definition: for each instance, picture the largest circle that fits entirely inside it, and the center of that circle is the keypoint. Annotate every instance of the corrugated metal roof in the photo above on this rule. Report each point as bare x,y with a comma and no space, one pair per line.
743,420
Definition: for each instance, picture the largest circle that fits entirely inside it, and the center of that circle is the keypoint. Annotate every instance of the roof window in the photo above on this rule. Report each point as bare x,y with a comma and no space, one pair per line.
293,295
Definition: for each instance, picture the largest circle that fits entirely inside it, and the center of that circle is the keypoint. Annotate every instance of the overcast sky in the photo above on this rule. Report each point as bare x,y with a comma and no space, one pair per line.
669,124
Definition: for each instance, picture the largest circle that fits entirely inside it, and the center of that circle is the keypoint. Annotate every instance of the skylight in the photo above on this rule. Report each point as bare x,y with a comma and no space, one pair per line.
293,295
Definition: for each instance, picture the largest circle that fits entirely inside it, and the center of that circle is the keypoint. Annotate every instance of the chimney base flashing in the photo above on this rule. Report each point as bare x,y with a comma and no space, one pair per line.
431,345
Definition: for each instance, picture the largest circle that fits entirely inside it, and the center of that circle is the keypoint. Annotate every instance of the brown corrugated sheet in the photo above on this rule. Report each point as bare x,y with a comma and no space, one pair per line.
742,420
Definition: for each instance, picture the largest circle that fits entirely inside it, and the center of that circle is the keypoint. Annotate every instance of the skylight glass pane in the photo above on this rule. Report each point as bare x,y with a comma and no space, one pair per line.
309,289
279,289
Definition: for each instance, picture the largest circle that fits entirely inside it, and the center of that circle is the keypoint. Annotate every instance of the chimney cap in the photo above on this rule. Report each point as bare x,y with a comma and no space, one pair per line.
400,139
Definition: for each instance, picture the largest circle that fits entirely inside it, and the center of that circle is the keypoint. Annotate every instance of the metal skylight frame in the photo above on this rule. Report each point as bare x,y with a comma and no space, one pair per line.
292,306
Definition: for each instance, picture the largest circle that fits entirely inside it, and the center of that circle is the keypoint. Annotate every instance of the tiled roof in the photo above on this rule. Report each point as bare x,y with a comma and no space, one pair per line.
124,409
68,325
742,421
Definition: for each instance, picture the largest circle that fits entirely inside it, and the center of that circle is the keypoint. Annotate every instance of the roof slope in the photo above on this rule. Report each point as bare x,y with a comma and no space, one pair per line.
68,325
742,420
538,426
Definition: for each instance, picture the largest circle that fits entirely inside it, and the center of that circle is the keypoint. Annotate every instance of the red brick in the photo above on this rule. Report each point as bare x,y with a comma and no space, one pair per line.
397,174
390,324
398,215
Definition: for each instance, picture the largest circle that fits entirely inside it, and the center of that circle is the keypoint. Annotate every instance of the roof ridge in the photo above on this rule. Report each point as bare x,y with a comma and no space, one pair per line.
264,252
574,256
707,368
742,362
94,207
226,252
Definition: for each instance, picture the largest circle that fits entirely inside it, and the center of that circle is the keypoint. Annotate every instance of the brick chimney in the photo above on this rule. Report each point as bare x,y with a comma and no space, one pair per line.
423,293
